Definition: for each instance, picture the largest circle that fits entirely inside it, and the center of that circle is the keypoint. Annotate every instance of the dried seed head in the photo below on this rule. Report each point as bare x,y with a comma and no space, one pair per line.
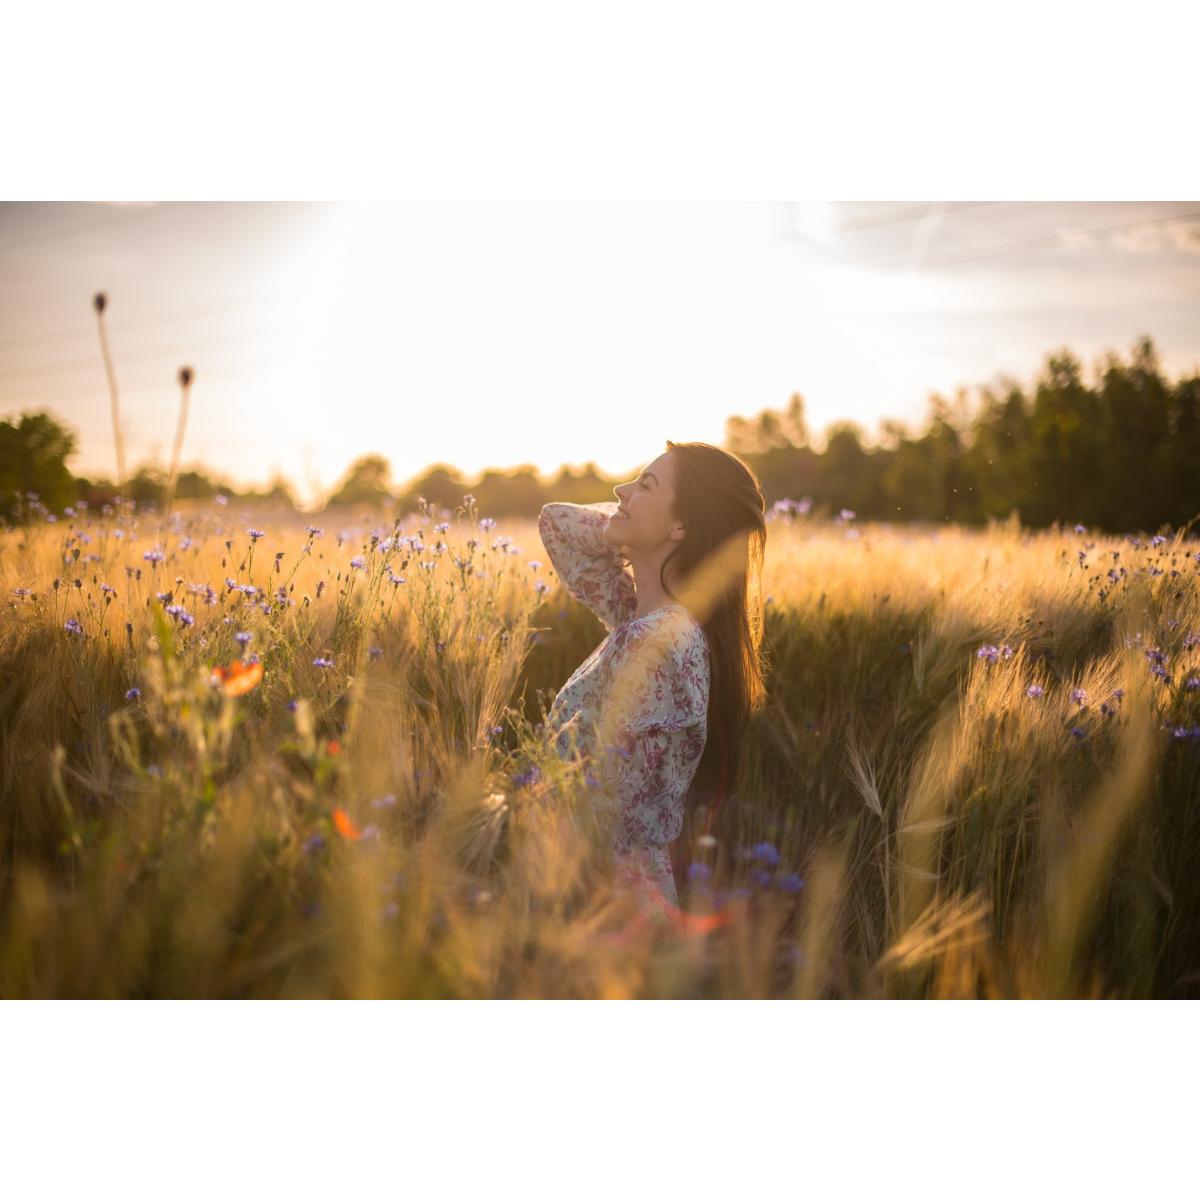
99,302
185,376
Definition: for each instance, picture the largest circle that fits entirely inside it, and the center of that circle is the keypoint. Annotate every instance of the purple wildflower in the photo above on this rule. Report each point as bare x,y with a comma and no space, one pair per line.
1034,691
526,777
255,534
154,556
1078,696
134,693
72,625
766,853
322,662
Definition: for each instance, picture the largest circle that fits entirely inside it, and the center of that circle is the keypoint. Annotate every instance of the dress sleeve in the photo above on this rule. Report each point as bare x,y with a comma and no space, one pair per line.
591,569
652,732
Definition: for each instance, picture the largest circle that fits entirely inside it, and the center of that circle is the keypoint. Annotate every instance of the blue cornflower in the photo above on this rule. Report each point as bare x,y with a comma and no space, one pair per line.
243,638
1076,732
255,534
375,652
524,778
758,877
1192,683
765,853
292,705
1034,691
1080,529
72,625
314,843
134,693
322,662
991,653
790,883
699,872
358,562
534,564
1078,696
154,556
313,531
388,801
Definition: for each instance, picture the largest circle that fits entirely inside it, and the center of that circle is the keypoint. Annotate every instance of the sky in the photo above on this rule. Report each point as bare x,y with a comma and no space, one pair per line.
494,335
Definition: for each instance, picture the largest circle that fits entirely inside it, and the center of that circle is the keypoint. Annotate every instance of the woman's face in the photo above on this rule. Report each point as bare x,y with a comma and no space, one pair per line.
644,520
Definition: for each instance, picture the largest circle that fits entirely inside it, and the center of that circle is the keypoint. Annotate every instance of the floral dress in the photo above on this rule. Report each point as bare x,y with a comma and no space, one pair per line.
636,709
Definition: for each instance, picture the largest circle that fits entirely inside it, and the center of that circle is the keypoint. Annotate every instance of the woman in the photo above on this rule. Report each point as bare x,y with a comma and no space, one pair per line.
657,711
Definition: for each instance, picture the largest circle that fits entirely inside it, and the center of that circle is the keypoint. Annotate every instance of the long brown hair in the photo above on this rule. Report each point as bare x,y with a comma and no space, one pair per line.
722,506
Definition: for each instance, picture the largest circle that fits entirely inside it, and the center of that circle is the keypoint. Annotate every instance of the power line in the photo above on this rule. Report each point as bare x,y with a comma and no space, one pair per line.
51,234
154,354
149,322
899,216
139,385
1002,250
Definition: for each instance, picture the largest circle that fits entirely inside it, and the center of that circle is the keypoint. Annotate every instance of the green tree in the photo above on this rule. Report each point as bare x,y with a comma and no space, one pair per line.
441,485
33,458
366,482
1133,428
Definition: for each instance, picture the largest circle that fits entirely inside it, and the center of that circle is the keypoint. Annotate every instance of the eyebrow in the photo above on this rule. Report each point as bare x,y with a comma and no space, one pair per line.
648,475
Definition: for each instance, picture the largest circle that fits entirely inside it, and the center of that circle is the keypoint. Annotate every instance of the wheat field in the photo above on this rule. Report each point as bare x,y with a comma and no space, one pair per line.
247,757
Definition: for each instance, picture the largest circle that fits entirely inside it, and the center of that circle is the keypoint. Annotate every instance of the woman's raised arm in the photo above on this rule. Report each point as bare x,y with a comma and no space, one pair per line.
591,569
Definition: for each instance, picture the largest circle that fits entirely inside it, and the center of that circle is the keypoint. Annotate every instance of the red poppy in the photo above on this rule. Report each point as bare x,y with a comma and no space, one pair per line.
239,677
345,826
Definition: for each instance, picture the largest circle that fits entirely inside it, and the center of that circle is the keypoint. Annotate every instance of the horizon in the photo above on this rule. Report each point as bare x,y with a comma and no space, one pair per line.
659,320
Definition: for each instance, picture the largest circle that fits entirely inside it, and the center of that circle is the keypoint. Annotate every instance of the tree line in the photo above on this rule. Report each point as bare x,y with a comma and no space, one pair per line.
1118,453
